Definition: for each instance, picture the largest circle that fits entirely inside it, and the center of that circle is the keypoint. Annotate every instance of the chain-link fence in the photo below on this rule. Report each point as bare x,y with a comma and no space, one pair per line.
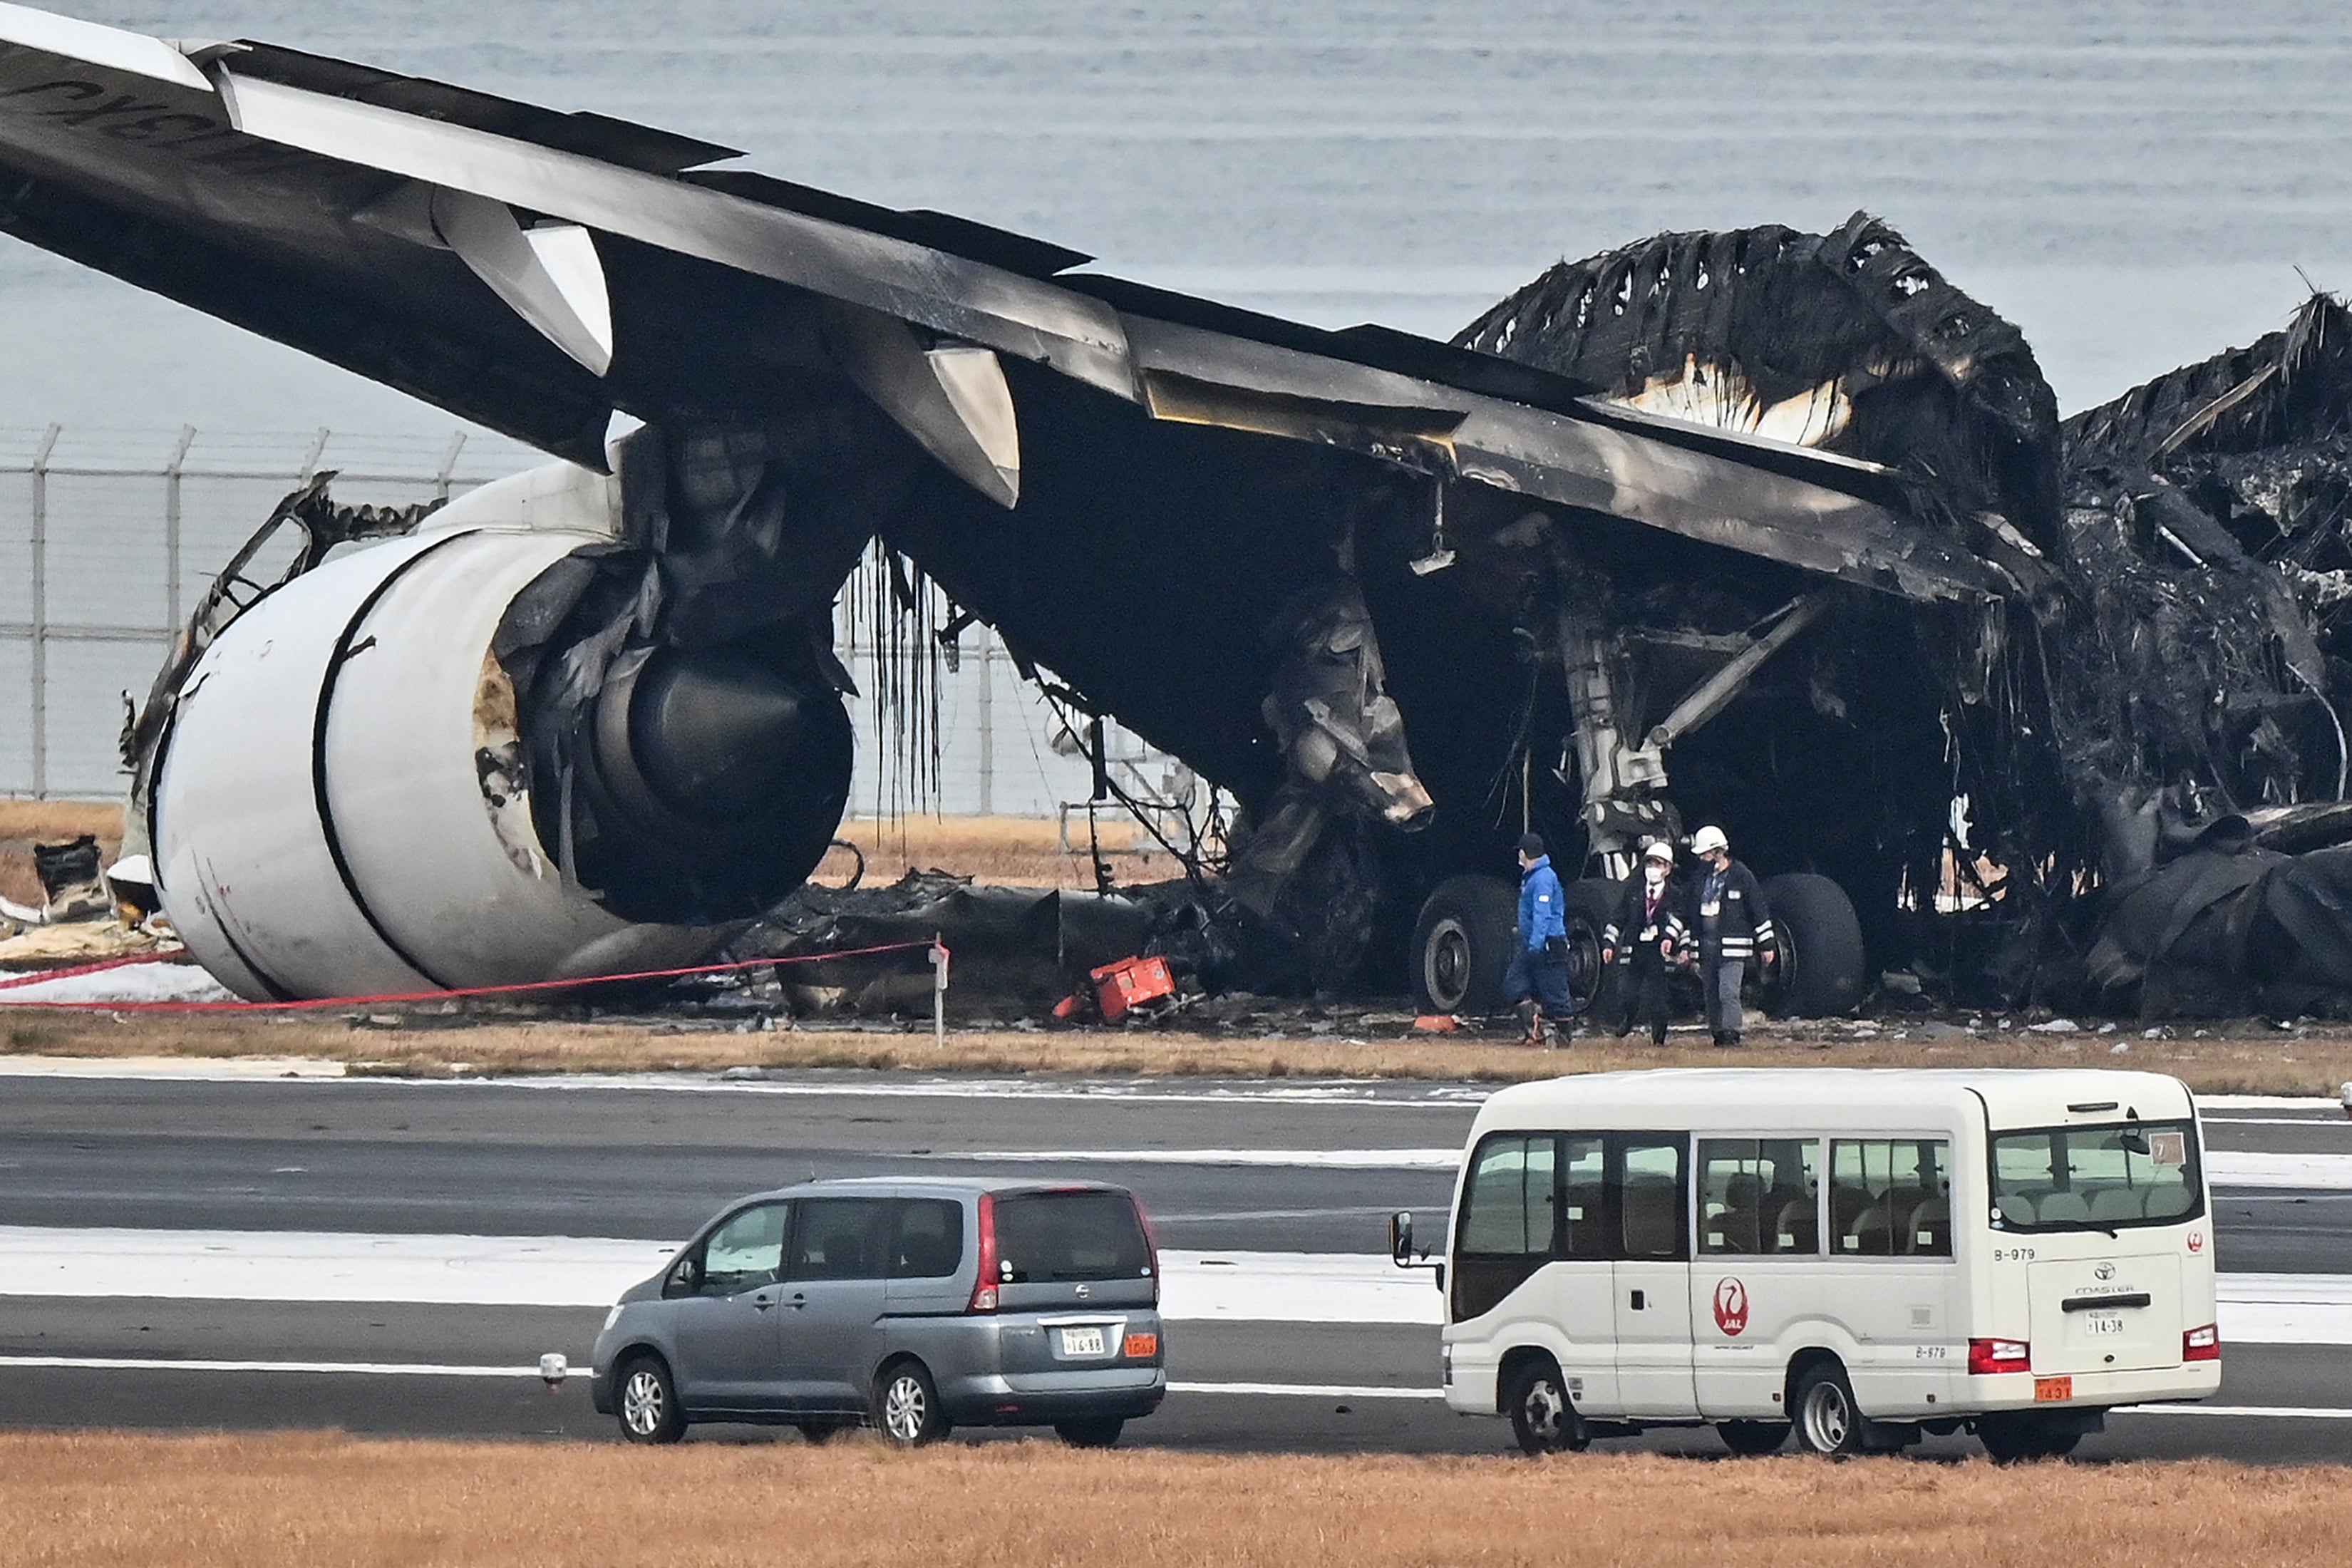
108,538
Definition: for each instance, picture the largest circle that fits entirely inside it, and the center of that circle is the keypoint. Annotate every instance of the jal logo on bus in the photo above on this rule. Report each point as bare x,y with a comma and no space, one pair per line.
2196,1241
1730,1307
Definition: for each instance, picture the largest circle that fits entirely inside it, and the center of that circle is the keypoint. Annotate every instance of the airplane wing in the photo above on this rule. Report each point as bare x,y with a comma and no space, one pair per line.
537,271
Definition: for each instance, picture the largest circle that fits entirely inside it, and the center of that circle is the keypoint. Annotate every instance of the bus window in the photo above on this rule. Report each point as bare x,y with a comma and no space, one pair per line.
1507,1227
1758,1197
1891,1197
1650,1197
1507,1212
2096,1178
1584,1215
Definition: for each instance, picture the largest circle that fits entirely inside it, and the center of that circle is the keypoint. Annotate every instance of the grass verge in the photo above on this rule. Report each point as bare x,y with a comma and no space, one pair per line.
107,1498
2301,1062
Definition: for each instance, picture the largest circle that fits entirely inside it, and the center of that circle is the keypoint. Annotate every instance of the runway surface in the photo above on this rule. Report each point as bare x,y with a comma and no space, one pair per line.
392,1255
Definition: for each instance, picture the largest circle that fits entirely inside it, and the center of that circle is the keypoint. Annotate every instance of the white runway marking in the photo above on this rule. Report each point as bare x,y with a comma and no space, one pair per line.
1307,1390
2251,1170
2264,1411
1330,1391
586,1271
1444,1159
1353,1094
2231,1170
307,1368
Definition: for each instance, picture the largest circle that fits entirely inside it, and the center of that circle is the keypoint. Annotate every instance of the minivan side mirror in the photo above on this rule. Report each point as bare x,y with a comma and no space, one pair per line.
685,1277
1400,1239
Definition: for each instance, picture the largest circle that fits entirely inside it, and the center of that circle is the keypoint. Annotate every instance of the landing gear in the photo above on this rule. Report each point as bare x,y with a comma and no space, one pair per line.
1823,963
1462,945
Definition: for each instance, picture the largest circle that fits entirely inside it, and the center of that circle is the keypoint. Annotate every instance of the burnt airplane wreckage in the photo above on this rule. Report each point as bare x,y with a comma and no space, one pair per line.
1764,528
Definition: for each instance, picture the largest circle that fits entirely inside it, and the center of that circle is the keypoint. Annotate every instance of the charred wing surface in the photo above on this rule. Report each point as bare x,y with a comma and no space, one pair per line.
1838,755
1847,342
2207,515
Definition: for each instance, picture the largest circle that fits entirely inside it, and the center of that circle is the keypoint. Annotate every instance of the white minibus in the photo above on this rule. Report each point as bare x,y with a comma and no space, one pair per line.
1861,1255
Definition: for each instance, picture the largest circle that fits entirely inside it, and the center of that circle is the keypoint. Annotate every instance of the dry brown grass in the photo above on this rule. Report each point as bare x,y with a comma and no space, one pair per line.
25,822
305,1499
1010,851
424,1043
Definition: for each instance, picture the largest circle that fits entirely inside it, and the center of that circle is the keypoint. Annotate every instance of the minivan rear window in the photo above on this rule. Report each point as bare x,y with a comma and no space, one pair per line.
1042,1237
2096,1178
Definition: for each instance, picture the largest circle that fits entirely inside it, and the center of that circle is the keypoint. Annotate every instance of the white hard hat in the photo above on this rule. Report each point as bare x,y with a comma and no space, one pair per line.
1709,839
1658,849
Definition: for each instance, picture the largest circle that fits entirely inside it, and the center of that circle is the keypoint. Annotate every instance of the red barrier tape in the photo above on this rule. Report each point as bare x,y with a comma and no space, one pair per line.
394,998
36,977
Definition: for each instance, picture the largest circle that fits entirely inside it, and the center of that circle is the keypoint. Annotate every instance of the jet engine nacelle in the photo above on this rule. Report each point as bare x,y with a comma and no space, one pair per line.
341,806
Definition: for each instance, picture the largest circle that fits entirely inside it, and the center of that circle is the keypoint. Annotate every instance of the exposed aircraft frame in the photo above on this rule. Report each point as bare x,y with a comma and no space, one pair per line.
1407,597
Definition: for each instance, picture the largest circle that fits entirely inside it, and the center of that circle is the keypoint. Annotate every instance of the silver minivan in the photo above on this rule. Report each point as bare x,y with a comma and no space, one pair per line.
916,1305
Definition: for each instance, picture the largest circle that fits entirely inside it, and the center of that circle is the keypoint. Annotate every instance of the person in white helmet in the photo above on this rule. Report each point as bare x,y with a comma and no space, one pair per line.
1734,925
1647,936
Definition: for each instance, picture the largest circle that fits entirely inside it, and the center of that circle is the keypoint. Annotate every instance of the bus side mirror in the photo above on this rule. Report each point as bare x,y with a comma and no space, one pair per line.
1400,1239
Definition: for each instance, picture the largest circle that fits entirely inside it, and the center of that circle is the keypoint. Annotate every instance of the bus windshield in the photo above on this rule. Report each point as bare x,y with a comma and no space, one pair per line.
2096,1177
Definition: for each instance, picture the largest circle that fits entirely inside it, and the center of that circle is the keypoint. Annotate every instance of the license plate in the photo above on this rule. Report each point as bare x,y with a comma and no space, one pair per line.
1140,1346
1082,1341
2100,1324
2053,1390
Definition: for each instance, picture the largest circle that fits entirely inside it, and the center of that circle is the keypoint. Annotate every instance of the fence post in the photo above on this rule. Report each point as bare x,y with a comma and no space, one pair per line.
40,608
172,527
317,451
449,465
987,722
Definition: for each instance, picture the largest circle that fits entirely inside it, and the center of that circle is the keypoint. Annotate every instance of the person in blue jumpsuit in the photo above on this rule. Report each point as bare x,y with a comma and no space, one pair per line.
1537,981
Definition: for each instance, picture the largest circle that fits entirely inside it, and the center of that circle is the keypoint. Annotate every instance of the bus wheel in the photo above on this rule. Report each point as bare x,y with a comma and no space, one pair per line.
1543,1419
1827,1421
2018,1437
1753,1438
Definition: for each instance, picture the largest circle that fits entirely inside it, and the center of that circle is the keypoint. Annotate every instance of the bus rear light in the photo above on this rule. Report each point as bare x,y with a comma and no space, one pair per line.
2201,1344
984,1283
1988,1356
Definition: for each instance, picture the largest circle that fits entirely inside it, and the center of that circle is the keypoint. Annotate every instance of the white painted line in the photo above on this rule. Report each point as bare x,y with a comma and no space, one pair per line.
2251,1170
2259,1412
1285,1159
1196,1286
1306,1390
318,1368
173,1069
1346,1093
1294,1288
310,1266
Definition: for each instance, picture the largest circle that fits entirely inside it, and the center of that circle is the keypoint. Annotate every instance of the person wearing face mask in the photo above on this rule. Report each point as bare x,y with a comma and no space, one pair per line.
1647,936
1734,925
1537,980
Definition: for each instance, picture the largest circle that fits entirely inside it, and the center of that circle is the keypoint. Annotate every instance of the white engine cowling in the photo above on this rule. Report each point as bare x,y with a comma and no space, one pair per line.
337,809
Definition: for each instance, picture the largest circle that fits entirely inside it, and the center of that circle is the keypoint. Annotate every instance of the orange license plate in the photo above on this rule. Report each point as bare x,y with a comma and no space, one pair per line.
2053,1390
1140,1346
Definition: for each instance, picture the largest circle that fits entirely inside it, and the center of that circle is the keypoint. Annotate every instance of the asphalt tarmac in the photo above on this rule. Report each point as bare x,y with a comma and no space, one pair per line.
1262,1170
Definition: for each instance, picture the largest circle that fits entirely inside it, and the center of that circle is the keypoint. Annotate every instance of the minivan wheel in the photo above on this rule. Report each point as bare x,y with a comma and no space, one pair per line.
1095,1432
906,1406
1827,1421
1753,1438
1543,1419
647,1405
